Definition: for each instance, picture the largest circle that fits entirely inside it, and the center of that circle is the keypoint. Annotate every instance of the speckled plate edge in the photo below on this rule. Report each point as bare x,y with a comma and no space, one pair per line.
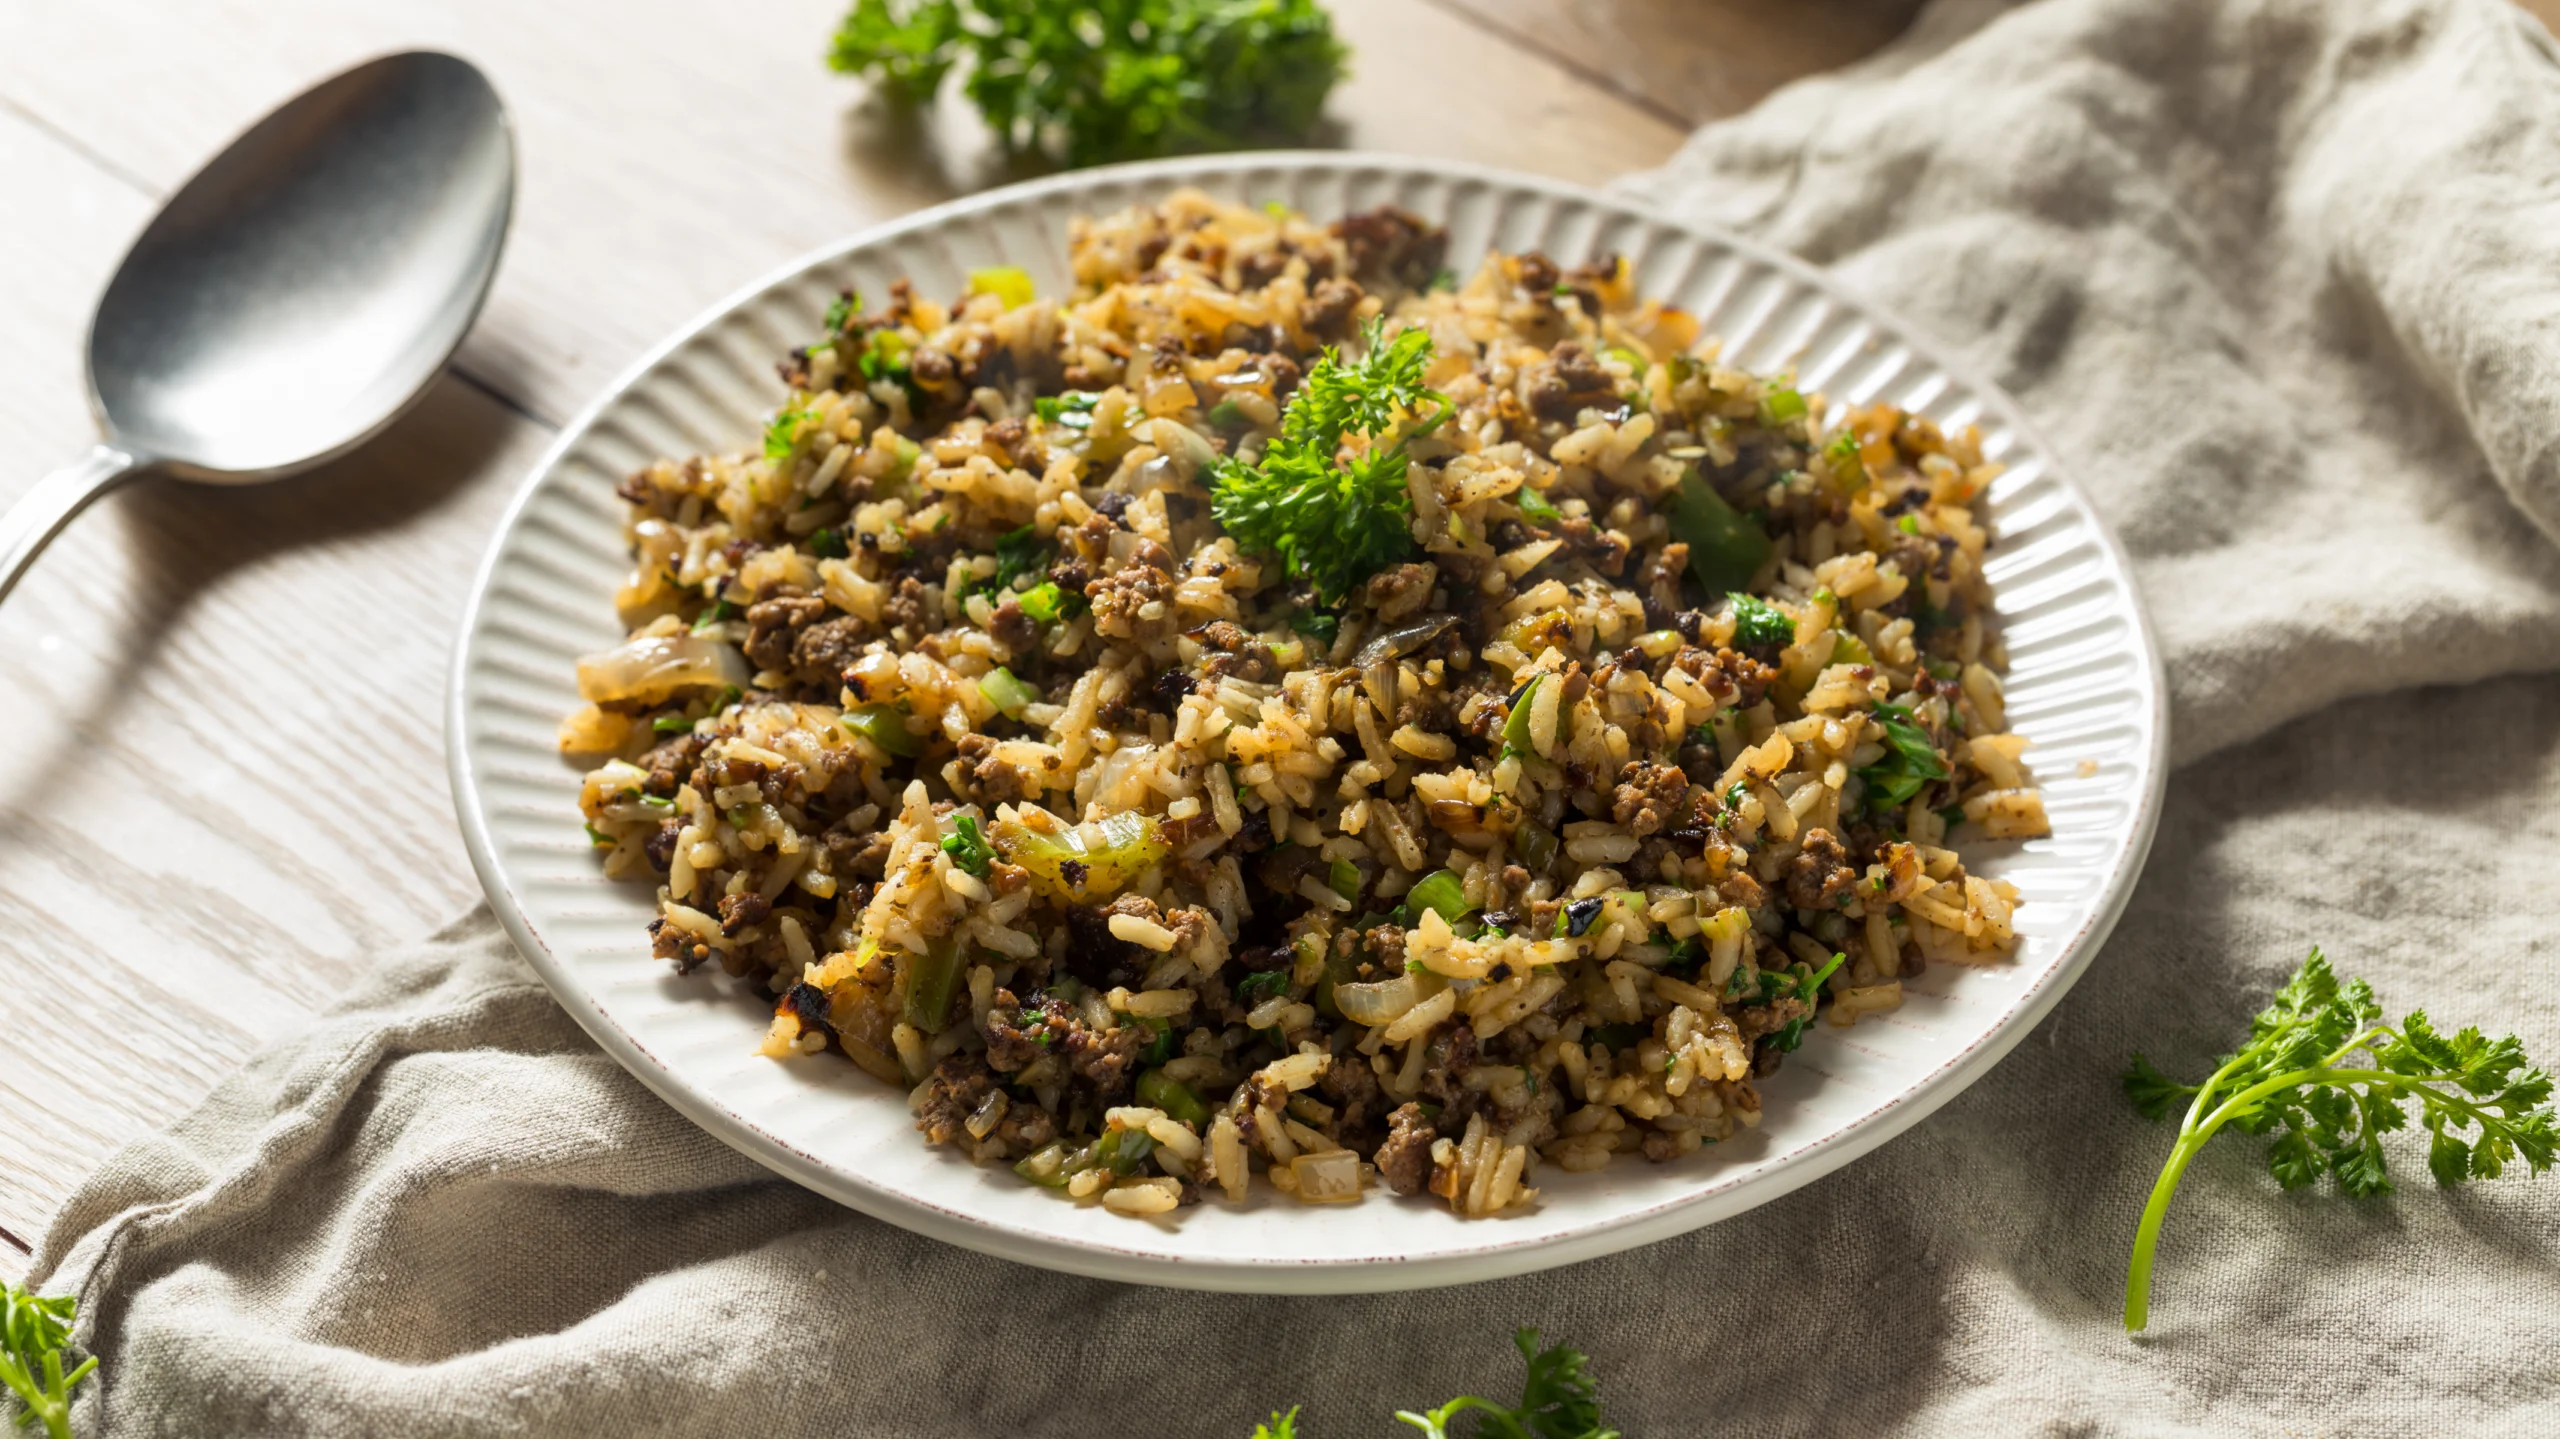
2086,686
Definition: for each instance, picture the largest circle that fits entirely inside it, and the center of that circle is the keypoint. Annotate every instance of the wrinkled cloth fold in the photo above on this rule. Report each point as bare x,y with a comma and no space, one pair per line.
2277,281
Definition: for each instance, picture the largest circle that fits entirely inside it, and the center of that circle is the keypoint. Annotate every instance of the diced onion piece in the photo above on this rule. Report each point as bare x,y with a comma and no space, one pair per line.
1332,1177
1381,1003
654,666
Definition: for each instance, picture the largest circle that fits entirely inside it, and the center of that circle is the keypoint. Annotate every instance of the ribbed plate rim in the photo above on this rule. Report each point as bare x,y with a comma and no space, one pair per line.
1477,1250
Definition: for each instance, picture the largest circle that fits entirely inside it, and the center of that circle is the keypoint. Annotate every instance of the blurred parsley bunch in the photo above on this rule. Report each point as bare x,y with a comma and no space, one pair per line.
1104,80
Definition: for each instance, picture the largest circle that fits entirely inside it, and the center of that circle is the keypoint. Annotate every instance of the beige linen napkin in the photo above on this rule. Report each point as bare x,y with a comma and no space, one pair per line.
2278,278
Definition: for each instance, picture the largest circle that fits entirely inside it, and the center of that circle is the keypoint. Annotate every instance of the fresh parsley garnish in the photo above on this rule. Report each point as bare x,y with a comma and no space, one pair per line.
1281,1426
1318,625
1107,80
2297,1079
1910,761
968,848
841,309
1334,522
828,544
1559,1399
35,1339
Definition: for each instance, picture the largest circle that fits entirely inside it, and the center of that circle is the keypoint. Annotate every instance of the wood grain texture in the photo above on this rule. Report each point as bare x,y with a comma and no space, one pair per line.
228,785
1692,61
224,788
672,151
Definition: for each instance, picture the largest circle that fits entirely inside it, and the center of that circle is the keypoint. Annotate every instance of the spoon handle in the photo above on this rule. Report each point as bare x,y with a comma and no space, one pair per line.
41,512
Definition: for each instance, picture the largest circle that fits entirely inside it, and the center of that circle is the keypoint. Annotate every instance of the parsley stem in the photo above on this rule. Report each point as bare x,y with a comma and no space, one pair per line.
2200,1127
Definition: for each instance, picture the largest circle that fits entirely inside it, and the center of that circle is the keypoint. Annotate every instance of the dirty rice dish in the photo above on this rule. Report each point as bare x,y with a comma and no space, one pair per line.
1286,714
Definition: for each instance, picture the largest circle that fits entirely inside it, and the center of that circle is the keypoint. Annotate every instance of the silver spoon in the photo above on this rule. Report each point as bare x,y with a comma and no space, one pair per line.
297,294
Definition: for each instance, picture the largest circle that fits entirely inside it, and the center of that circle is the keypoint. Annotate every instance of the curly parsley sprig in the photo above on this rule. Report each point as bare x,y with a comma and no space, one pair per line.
2294,1078
1336,513
1106,80
1558,1400
35,1334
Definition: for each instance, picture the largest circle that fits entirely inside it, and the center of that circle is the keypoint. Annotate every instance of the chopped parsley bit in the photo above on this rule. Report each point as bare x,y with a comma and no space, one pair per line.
1045,602
1318,625
2296,1079
1018,553
1910,761
1261,985
828,544
720,612
1908,524
1072,410
1536,505
671,724
884,357
1808,989
1226,415
842,309
783,432
1563,290
1953,815
729,695
969,849
1334,522
656,801
1759,624
1733,797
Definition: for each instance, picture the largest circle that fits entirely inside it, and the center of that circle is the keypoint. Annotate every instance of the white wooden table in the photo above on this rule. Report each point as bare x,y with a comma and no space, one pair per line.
227,784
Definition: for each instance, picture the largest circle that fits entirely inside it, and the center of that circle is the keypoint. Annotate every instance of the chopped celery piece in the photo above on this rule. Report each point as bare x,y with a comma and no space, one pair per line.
1162,1091
933,977
1008,693
1443,894
885,726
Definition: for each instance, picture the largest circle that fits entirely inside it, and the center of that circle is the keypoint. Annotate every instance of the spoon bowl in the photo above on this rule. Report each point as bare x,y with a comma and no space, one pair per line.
297,293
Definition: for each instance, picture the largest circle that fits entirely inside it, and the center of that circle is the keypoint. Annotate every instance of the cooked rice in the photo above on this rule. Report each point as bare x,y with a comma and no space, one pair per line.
1192,962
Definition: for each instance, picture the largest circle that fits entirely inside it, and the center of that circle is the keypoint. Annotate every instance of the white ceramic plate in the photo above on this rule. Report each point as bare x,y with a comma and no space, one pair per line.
2084,686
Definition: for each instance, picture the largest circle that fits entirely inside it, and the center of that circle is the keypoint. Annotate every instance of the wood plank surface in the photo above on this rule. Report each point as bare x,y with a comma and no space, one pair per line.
228,785
671,151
